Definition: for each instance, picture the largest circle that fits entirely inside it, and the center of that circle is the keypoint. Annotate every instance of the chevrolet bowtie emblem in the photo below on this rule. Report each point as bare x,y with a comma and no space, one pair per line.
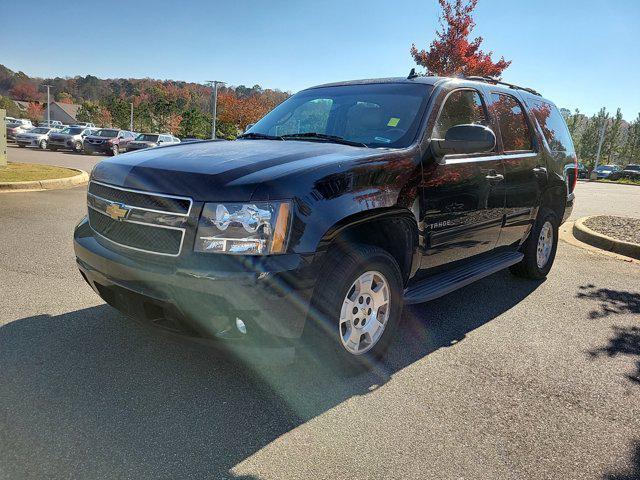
117,211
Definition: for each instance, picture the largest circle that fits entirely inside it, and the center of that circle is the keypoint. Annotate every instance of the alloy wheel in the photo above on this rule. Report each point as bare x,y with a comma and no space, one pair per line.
545,244
365,311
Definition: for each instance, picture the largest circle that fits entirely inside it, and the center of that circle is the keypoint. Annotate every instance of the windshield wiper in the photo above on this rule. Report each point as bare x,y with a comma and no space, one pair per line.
260,136
328,138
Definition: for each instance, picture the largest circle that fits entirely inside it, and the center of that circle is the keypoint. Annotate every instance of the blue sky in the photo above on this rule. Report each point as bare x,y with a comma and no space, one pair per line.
577,53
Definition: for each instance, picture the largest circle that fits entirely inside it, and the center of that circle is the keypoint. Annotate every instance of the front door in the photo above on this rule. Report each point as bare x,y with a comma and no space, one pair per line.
463,195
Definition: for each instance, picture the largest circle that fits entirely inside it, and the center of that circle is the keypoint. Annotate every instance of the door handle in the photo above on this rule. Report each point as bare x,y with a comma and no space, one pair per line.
540,171
494,177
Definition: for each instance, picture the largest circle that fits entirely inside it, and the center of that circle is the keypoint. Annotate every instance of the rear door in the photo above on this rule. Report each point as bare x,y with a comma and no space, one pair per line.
463,194
524,166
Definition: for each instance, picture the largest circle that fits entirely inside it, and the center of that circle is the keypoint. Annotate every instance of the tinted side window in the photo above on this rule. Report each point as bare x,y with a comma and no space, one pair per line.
461,107
553,126
312,116
513,124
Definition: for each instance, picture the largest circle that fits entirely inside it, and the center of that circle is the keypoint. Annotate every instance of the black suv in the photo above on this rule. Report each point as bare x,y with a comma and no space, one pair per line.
341,205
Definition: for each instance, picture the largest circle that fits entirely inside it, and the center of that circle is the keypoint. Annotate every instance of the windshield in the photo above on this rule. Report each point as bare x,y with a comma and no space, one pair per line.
633,167
377,115
106,133
147,137
39,130
72,131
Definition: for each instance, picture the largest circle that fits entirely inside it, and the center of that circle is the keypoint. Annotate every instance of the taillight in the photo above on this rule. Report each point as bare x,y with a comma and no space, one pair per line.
575,173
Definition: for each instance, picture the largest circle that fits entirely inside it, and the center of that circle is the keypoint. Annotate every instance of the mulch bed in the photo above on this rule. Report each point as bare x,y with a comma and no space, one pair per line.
621,228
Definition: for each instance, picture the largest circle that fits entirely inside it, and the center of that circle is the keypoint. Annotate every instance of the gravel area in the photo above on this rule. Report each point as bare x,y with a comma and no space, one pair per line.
621,228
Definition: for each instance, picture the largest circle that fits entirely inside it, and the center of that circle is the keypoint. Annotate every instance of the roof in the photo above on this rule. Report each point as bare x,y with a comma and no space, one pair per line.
70,109
432,80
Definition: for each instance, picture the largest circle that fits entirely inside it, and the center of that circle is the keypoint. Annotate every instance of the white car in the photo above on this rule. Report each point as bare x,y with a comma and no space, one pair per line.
37,137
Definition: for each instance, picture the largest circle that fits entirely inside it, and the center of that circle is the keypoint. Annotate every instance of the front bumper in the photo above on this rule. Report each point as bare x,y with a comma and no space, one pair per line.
28,142
100,148
202,295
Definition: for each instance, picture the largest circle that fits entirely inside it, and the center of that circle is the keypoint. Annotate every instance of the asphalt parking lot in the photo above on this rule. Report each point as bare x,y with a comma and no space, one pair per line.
506,378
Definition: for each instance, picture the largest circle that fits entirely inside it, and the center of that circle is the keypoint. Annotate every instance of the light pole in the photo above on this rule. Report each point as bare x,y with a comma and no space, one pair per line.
594,174
131,121
48,105
214,104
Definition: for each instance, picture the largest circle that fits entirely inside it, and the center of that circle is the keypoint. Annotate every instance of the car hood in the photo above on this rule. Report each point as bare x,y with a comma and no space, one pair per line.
61,136
32,135
229,171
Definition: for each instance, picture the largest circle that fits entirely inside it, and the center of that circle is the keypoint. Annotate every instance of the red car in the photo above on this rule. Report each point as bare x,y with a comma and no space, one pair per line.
108,140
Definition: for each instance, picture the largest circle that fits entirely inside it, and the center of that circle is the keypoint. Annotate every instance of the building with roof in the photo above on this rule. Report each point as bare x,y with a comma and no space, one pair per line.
67,113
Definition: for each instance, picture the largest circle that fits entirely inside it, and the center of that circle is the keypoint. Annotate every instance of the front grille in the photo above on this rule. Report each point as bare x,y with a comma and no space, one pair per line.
142,237
123,216
142,200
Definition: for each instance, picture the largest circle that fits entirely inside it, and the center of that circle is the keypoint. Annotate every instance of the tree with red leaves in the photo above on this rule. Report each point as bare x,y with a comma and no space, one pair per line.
451,53
34,112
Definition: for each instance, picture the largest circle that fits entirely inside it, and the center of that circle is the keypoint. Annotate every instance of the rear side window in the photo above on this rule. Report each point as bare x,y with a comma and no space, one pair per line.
553,126
462,107
514,128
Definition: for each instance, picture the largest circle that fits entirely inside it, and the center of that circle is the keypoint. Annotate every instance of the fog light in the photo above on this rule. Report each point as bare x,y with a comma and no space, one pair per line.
242,328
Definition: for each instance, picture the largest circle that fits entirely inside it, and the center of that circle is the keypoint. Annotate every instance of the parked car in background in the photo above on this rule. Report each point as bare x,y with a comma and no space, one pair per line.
8,120
84,124
150,140
19,125
53,124
69,138
631,171
603,171
110,141
190,140
583,172
36,137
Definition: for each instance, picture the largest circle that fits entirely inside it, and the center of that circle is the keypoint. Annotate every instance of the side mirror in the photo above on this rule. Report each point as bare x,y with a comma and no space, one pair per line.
464,139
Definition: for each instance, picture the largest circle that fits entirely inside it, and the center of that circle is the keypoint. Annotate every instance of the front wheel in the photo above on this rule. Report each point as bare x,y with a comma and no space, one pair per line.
77,147
43,144
357,307
115,150
540,247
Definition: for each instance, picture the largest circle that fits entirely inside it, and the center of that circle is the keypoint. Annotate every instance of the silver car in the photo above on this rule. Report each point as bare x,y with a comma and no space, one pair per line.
36,137
150,140
69,138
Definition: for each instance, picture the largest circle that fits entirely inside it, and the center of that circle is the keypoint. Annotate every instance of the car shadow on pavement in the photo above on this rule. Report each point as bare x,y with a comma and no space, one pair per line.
90,394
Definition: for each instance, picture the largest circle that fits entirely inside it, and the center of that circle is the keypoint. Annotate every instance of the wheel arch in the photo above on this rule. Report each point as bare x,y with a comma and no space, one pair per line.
393,229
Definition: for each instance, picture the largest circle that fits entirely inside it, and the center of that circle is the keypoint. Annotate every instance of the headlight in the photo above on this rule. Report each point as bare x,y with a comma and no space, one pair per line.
244,228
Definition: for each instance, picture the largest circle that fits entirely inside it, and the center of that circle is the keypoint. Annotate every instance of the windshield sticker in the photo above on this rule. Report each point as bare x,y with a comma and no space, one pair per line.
393,122
382,139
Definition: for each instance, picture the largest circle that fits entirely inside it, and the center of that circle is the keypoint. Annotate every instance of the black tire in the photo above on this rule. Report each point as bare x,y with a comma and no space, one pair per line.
77,147
528,267
323,330
43,144
115,150
53,149
21,145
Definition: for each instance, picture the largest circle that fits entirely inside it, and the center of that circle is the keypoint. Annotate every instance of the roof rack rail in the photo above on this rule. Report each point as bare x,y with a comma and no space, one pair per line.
495,81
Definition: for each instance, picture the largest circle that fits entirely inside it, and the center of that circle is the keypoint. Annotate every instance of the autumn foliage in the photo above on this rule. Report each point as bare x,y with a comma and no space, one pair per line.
34,111
452,53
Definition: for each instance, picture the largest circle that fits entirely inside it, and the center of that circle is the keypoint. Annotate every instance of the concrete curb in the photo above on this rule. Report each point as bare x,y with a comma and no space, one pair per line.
51,184
610,244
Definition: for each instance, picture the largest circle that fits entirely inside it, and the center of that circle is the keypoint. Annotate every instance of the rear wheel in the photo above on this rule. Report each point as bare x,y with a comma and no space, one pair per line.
540,247
356,309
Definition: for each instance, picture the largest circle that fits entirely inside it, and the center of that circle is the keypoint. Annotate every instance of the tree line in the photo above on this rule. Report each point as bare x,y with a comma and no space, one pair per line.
181,108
